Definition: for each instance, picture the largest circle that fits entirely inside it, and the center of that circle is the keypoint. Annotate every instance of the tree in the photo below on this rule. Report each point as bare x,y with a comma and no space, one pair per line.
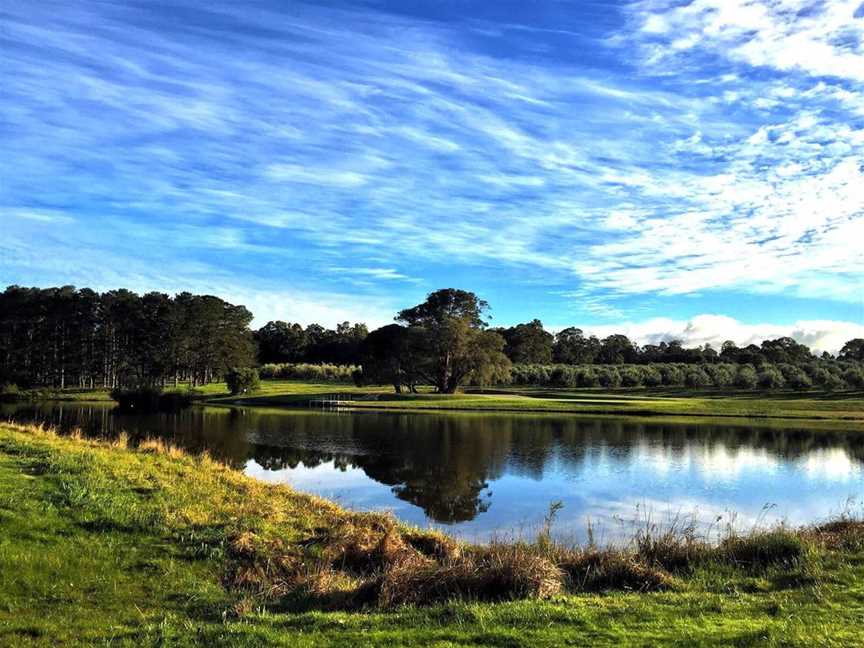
392,355
853,350
280,342
60,337
746,377
617,349
785,349
572,347
729,351
242,380
455,344
528,343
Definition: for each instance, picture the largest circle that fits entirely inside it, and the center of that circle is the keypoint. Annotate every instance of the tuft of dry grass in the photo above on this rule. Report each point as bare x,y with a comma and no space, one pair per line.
842,534
120,441
161,446
493,573
763,548
595,570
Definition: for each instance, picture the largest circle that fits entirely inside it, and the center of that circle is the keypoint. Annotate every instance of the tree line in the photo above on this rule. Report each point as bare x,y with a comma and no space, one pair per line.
64,337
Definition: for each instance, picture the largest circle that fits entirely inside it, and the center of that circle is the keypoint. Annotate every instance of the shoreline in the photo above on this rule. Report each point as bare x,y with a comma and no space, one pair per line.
843,408
137,541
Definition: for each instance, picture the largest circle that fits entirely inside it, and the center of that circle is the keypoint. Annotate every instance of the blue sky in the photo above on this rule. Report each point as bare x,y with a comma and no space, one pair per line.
661,167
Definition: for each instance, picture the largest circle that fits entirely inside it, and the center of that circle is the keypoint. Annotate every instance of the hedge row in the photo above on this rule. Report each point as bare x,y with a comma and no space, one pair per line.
824,375
314,372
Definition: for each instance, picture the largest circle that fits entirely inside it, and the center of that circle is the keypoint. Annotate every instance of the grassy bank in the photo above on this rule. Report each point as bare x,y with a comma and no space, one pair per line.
104,545
841,406
845,406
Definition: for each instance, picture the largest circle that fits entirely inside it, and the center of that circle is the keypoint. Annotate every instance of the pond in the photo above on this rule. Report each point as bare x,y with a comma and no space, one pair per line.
480,475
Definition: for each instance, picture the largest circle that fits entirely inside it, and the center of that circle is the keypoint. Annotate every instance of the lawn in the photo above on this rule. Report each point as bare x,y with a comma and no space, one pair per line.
843,406
101,544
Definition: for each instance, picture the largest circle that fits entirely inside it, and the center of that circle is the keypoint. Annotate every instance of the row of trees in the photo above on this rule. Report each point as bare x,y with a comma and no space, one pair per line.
285,343
64,337
444,342
825,374
531,344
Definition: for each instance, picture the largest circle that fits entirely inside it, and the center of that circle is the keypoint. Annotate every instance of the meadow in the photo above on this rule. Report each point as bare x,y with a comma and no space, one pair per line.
845,407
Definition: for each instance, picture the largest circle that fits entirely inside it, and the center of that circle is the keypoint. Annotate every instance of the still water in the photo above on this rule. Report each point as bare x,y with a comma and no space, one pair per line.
478,475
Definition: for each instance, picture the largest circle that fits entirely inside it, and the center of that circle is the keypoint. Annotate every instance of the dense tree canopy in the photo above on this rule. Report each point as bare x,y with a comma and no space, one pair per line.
393,355
572,347
280,342
455,343
853,350
63,337
527,343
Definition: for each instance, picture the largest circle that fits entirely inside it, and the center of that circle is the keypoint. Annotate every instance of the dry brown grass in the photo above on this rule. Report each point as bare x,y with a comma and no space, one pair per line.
361,560
842,534
594,570
161,446
496,572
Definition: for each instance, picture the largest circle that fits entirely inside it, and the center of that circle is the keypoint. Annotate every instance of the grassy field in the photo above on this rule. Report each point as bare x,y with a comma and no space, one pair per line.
845,406
101,544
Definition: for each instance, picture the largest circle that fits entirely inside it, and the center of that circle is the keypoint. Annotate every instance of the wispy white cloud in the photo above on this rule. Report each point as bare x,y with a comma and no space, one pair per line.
51,216
818,37
284,143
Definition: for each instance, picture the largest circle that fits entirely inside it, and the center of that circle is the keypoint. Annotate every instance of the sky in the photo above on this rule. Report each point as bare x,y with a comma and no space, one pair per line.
661,168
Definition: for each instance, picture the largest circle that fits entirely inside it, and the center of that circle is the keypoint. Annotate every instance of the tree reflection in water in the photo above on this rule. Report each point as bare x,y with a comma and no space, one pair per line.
444,463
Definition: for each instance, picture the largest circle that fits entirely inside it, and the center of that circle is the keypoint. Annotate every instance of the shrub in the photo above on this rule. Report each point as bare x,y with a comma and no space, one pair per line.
150,399
586,377
560,376
832,381
305,371
631,377
9,392
797,379
761,549
696,377
242,380
608,377
651,377
746,377
770,377
854,377
722,375
671,374
593,570
497,572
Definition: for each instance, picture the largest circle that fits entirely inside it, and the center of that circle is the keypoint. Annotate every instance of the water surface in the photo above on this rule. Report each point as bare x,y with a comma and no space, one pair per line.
481,474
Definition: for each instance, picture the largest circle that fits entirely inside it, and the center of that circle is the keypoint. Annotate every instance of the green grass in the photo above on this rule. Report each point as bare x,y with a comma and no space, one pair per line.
843,406
103,545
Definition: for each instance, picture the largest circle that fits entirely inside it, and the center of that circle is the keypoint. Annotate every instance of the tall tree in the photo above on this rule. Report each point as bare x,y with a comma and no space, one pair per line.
617,349
572,347
456,344
528,343
853,350
393,355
